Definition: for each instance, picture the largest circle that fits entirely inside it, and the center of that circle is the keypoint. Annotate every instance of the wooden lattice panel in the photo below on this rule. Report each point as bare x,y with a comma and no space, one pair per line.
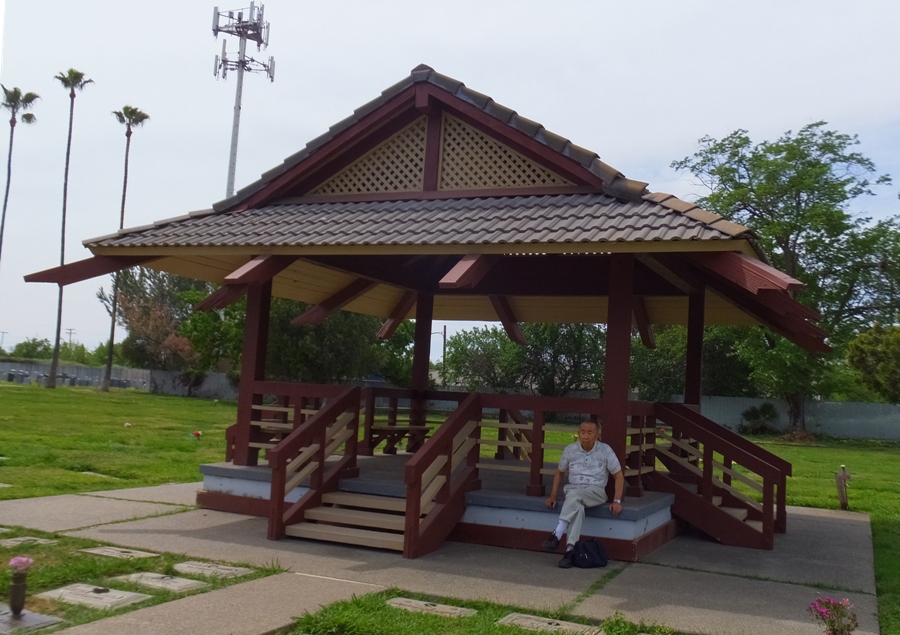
395,165
470,160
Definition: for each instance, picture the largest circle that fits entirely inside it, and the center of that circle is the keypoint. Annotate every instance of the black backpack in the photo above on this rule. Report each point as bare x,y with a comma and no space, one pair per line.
589,554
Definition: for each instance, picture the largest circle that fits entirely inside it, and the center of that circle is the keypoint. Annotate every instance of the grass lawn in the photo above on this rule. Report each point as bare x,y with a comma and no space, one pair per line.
49,437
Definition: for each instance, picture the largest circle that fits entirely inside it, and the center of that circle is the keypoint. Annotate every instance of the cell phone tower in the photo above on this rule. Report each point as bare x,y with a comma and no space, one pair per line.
244,24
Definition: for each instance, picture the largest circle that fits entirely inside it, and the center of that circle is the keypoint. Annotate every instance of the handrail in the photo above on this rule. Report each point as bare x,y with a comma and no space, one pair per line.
431,475
303,452
731,437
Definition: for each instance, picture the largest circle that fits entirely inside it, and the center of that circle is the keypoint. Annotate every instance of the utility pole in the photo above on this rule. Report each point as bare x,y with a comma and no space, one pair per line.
245,24
70,332
2,333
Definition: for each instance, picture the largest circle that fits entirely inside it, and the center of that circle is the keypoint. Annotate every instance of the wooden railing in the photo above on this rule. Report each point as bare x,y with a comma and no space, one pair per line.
784,467
390,424
706,455
303,454
438,477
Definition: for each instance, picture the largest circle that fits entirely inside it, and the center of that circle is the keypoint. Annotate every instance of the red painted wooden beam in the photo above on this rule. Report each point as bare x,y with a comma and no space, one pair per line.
397,315
782,302
672,272
468,271
222,297
87,269
508,319
747,272
431,178
259,269
642,322
335,303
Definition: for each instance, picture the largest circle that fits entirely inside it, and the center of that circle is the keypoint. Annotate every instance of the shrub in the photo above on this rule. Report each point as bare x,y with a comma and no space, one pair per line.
759,420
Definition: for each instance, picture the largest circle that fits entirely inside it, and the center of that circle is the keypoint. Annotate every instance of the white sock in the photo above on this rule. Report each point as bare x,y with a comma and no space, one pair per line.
561,529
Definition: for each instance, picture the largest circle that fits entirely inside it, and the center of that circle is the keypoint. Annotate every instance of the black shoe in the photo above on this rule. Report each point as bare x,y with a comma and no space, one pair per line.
551,544
566,561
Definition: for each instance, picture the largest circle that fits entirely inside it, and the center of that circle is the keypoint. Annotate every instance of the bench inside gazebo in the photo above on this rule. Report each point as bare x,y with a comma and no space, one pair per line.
434,202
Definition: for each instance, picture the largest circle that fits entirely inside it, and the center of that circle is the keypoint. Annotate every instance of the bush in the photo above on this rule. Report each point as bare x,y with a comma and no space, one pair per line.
759,420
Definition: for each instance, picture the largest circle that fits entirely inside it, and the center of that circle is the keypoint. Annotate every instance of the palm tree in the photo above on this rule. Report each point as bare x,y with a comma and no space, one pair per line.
71,80
14,101
131,117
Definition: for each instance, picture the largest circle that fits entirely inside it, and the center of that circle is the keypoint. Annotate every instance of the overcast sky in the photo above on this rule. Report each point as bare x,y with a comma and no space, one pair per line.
637,82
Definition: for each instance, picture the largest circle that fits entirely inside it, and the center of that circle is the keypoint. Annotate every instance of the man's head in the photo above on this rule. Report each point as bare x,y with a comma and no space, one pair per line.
588,433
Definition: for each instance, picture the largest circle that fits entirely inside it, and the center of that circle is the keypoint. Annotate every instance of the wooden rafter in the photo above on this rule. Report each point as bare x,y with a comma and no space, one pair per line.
469,271
335,303
642,322
746,272
222,297
259,269
508,319
87,269
398,314
676,275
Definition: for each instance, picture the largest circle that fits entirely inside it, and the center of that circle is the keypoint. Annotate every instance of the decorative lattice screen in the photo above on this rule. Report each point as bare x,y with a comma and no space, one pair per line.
471,160
395,165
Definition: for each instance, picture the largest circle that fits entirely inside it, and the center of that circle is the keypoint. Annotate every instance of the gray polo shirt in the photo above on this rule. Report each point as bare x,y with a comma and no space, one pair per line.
589,468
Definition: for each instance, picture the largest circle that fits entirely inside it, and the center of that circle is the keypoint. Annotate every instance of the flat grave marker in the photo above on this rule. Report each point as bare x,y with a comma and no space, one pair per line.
535,623
418,606
25,540
5,485
117,552
95,597
27,621
160,581
4,529
211,569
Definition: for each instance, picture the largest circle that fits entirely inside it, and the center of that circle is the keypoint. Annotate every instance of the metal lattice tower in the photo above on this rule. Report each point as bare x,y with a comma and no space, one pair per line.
245,24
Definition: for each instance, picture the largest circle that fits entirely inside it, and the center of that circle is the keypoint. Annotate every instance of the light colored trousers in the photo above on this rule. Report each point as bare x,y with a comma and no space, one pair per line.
577,498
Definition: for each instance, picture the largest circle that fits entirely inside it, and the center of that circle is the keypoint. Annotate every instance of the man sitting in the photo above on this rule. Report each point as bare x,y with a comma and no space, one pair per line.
589,464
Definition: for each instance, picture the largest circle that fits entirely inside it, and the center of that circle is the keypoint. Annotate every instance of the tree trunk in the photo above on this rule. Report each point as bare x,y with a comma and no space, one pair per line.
796,407
54,365
12,130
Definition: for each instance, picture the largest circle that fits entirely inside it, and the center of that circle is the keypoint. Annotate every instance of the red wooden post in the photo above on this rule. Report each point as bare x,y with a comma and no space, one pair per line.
616,385
693,371
253,368
369,401
706,485
501,435
421,358
536,486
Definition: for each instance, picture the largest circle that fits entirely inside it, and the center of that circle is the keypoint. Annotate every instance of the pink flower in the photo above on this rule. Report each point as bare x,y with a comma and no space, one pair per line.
21,564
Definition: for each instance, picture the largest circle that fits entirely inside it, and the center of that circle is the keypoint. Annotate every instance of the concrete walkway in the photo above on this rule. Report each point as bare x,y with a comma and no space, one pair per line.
692,584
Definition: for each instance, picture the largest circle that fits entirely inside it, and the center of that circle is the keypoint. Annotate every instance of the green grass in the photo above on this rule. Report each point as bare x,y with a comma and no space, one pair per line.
371,615
64,563
49,437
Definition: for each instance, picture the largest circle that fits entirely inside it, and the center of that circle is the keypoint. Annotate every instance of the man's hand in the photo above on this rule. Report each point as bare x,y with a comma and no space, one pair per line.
615,508
551,502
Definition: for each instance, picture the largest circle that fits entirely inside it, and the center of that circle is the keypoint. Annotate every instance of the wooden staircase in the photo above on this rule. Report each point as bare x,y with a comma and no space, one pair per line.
356,519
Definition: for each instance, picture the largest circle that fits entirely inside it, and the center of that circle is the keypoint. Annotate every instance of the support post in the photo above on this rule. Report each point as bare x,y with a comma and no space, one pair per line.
616,384
253,368
693,367
421,357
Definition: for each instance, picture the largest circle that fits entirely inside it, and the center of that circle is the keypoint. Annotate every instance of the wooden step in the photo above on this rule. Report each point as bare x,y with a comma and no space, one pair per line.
369,501
346,535
737,512
756,524
356,517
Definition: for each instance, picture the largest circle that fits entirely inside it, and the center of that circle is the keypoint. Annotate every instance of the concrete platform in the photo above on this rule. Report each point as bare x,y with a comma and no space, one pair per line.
173,494
71,511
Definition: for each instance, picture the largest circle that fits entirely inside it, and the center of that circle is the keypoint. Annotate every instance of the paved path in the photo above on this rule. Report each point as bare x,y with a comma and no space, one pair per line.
692,584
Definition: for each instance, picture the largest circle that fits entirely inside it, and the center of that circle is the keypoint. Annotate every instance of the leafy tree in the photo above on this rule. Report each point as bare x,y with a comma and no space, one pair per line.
131,117
396,355
152,308
795,193
215,335
99,355
341,347
484,359
876,355
14,101
556,359
659,373
75,352
33,348
72,80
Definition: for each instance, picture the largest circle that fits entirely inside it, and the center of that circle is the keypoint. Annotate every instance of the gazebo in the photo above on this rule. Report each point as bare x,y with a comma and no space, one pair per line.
433,201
